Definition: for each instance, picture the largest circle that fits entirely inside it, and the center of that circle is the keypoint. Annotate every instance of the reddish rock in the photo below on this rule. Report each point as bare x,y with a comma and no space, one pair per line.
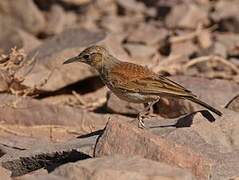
126,139
205,148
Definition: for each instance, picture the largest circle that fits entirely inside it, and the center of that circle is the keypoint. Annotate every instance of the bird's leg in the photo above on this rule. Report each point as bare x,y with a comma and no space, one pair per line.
142,115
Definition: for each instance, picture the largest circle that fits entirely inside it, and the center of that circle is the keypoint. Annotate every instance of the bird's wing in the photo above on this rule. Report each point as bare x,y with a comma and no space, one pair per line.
135,78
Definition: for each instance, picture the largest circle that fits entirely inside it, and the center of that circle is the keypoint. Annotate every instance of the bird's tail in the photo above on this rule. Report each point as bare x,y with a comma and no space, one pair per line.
197,101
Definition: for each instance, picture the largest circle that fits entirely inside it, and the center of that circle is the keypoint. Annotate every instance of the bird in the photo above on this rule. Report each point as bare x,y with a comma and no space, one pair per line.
132,82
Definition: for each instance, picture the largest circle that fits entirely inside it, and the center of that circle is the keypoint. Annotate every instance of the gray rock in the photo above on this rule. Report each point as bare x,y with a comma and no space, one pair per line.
44,63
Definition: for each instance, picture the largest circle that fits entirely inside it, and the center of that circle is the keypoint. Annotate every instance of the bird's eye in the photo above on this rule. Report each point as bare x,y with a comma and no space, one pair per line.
86,56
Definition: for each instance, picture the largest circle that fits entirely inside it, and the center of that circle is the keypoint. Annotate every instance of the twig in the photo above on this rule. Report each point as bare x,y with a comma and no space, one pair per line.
192,35
79,98
212,58
7,130
164,64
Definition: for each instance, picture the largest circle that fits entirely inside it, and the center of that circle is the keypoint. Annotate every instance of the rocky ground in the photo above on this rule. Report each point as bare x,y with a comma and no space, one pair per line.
60,122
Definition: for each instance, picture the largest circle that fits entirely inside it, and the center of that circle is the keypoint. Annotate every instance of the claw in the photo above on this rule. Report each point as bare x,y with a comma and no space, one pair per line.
141,122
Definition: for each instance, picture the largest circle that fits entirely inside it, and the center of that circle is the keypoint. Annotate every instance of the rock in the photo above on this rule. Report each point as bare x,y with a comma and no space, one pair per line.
29,112
119,168
187,16
39,177
23,14
4,81
215,92
5,174
230,41
172,107
140,51
233,104
113,24
132,6
219,49
116,105
200,149
47,155
91,101
217,140
226,15
56,19
29,42
8,37
76,2
44,68
142,143
184,48
11,37
95,96
113,43
148,34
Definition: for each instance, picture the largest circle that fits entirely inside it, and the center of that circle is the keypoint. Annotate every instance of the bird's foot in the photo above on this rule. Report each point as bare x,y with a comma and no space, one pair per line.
141,122
143,116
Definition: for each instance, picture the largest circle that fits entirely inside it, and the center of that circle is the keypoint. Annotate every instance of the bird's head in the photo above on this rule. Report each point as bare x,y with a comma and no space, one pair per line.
93,55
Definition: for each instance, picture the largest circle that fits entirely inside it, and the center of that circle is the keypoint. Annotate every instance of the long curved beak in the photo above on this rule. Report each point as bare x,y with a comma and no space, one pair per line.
74,59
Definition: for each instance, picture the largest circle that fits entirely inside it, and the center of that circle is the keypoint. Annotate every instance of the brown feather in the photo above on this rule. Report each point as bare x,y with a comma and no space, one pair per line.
135,78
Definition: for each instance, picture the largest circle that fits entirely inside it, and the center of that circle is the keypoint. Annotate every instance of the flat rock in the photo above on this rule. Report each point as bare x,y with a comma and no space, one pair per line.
119,168
143,143
187,149
47,155
30,112
39,177
45,62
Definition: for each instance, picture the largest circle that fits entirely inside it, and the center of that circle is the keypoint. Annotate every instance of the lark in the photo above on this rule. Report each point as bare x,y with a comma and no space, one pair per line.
134,83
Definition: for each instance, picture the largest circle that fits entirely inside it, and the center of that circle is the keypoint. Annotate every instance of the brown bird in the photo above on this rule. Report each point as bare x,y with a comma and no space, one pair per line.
132,82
